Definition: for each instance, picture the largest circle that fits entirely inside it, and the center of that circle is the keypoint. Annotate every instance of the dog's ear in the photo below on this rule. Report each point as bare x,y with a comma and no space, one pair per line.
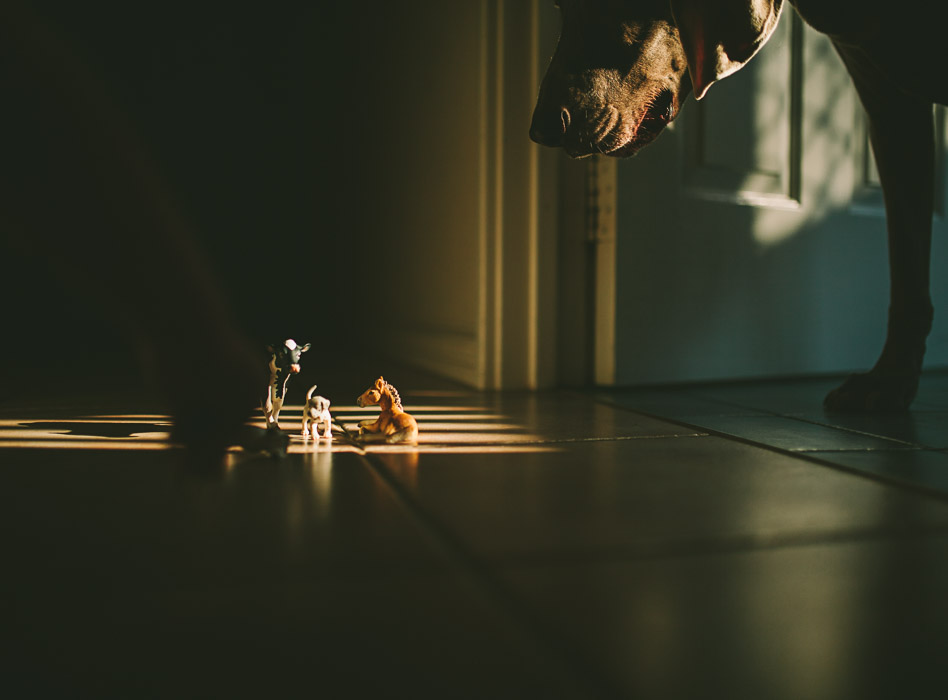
720,36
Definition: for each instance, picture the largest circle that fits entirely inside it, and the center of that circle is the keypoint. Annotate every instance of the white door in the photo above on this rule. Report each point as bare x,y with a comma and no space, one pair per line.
750,239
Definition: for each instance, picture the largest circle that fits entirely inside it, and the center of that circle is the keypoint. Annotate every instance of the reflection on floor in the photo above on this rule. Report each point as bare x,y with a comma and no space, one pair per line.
910,449
718,541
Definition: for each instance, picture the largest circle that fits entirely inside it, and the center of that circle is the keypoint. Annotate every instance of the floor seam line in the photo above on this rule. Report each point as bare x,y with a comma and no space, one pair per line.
727,546
549,642
930,491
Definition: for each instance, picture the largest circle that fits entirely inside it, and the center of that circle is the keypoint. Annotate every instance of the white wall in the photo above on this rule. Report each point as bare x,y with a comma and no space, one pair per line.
751,239
453,239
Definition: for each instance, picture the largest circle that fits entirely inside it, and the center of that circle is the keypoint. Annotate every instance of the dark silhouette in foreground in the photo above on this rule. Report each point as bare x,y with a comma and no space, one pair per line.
78,186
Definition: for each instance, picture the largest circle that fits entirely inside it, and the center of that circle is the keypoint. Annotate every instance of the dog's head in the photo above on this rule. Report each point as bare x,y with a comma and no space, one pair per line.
317,405
618,76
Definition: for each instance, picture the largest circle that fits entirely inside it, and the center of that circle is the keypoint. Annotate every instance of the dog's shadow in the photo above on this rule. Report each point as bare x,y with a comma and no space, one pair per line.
114,430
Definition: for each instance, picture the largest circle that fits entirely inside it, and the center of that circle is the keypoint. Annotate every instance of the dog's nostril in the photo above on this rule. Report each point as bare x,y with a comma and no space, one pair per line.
549,127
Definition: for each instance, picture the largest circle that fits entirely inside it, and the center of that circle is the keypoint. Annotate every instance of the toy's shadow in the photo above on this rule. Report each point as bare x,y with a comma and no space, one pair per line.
116,430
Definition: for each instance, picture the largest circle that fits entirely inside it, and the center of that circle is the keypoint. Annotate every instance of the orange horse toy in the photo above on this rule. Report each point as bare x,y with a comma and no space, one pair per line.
393,424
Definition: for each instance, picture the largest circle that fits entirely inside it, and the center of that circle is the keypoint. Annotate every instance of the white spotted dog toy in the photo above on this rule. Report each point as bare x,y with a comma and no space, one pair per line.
316,418
284,363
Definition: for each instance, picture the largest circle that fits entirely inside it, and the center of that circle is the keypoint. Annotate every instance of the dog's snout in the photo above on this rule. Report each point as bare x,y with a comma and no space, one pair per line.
549,126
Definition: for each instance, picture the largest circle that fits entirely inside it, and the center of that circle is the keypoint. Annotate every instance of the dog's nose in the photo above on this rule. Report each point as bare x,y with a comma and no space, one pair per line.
549,126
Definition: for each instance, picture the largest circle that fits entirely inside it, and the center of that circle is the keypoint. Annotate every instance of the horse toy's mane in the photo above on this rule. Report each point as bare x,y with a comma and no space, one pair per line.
393,392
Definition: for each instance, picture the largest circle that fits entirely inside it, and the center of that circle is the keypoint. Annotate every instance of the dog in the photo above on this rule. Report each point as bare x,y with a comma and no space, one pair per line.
623,68
284,363
316,418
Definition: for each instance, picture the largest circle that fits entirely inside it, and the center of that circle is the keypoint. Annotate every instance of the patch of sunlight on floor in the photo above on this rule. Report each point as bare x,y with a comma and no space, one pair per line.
441,429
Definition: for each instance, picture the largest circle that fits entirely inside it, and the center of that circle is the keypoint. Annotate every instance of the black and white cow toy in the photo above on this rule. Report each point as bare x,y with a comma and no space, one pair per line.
284,363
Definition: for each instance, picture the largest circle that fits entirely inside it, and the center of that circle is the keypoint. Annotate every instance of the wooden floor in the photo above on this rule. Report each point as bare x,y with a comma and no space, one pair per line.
716,541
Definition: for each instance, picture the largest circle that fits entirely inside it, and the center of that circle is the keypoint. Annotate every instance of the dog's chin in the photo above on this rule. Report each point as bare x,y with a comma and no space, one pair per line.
634,145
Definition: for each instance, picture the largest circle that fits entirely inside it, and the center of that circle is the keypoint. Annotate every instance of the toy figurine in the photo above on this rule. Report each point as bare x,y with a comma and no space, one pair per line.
393,424
284,362
316,418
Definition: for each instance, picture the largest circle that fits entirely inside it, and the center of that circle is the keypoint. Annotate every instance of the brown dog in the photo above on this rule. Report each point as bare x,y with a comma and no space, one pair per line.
618,77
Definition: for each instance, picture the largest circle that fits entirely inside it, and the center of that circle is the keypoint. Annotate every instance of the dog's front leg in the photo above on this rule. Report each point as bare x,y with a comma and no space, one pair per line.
902,137
324,431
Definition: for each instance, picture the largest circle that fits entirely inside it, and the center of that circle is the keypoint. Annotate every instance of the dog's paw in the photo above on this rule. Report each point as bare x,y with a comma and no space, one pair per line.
873,392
